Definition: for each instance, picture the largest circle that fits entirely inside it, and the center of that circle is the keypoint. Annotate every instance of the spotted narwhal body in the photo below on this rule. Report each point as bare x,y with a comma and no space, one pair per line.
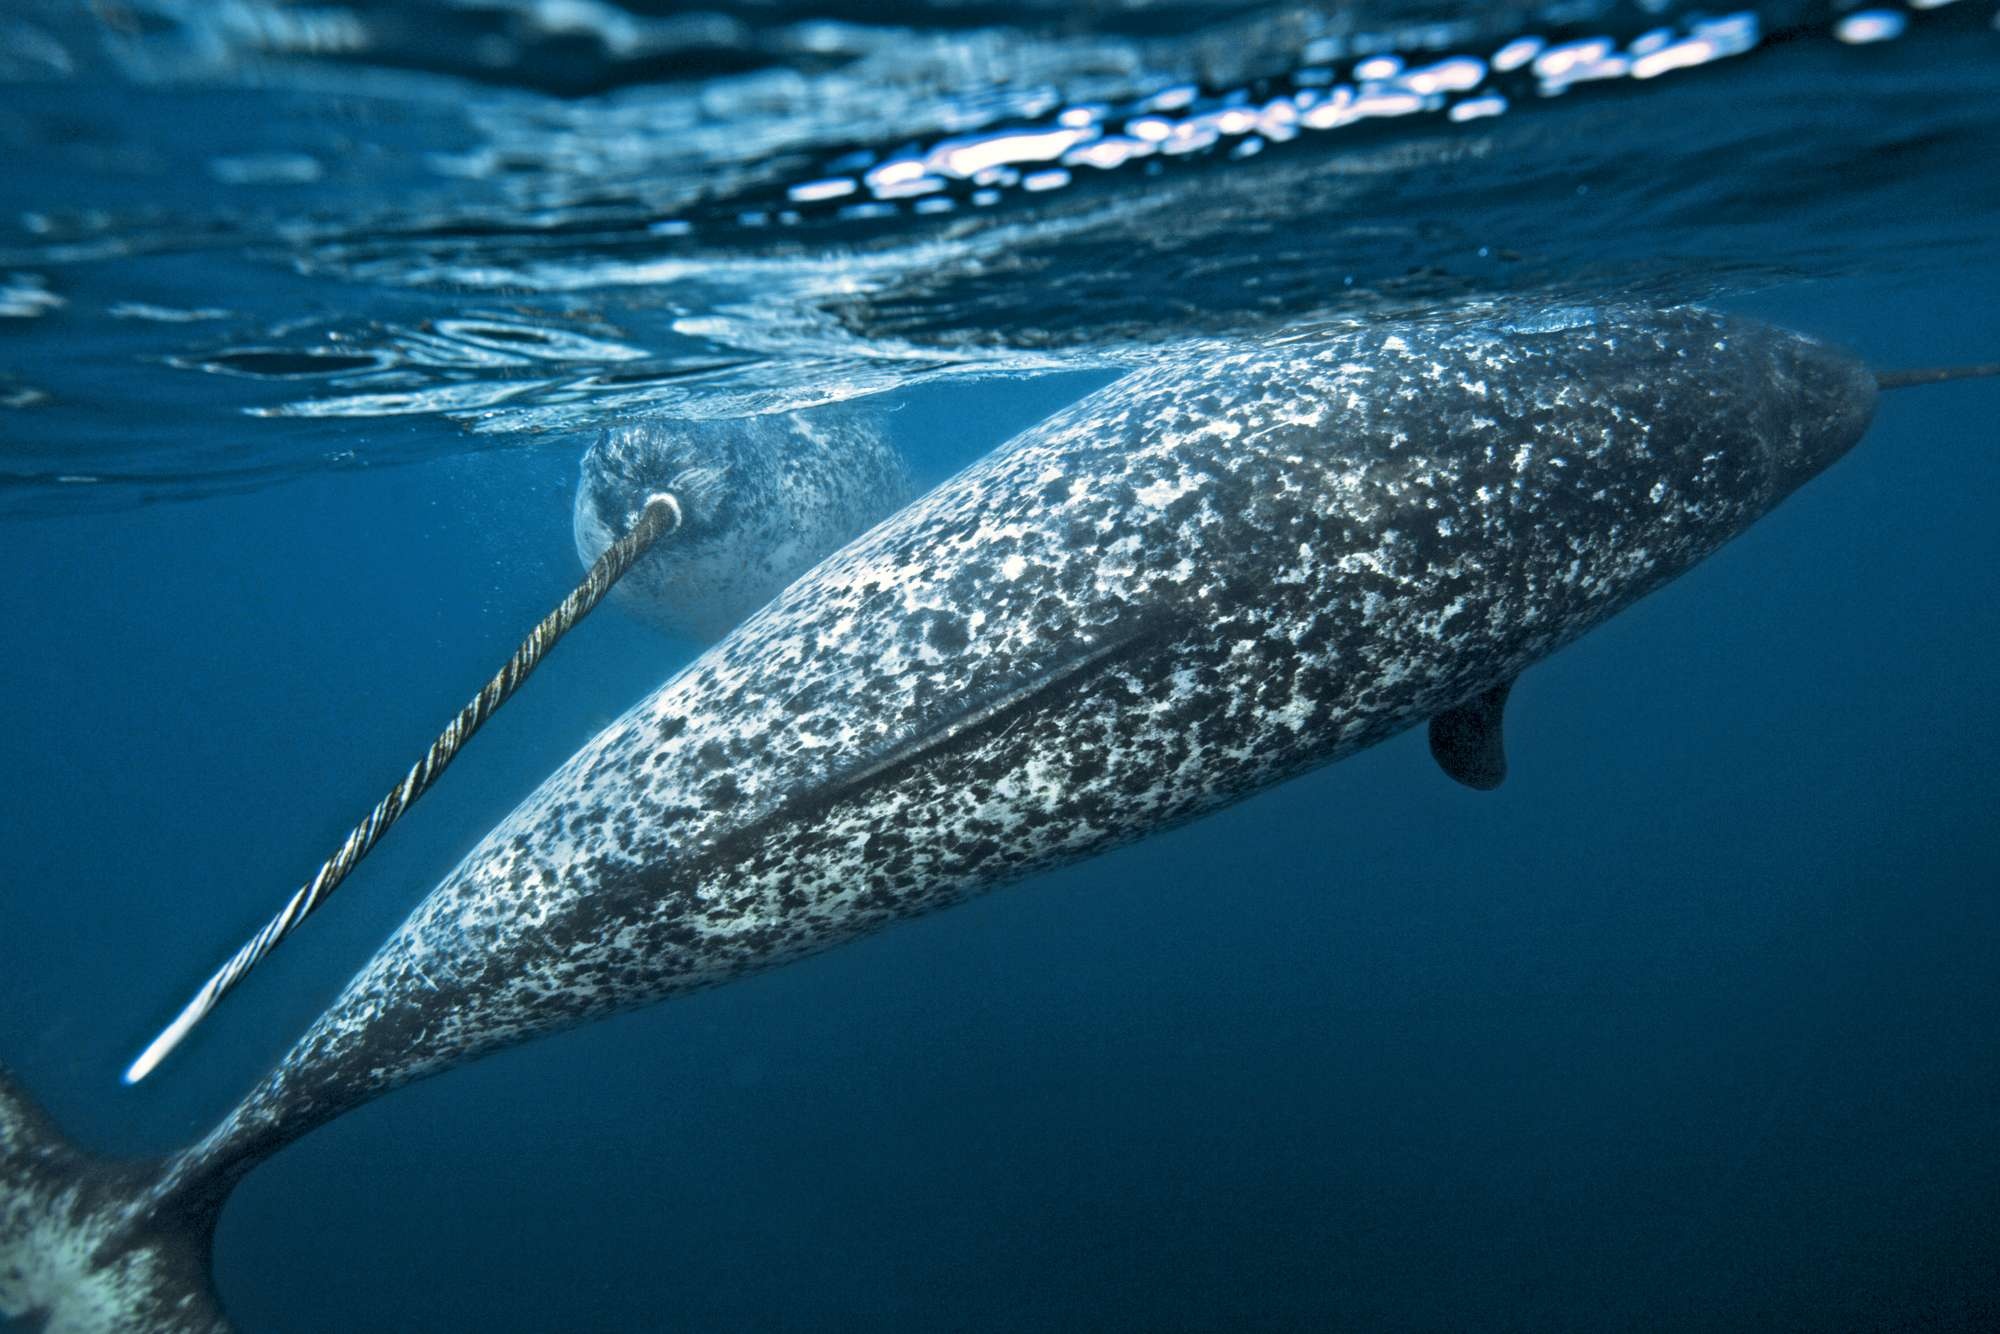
1225,569
761,500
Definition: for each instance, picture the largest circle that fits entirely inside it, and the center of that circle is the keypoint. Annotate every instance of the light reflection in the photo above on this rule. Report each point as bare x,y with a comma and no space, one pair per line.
1279,123
1517,53
995,142
1457,75
814,191
898,171
1013,144
1870,25
910,189
1105,154
1478,108
1388,104
1171,99
1335,109
968,157
1190,136
1462,88
24,296
1569,59
1678,55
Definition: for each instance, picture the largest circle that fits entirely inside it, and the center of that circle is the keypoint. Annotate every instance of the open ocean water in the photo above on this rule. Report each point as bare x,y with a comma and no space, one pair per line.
307,313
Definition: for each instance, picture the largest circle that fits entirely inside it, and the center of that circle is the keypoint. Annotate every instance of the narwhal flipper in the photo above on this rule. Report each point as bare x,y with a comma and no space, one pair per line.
92,1247
1466,739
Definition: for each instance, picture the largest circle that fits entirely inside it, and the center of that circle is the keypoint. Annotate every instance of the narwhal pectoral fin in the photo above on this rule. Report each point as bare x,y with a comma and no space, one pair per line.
1466,739
989,708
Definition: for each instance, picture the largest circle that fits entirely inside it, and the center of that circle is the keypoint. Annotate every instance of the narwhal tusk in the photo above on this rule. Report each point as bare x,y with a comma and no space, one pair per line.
660,516
1934,375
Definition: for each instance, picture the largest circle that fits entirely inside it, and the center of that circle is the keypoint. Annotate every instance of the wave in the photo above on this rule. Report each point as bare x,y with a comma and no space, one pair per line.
564,215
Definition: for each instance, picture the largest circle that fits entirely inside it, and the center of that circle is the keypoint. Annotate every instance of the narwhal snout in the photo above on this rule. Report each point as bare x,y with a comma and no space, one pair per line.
1824,399
623,471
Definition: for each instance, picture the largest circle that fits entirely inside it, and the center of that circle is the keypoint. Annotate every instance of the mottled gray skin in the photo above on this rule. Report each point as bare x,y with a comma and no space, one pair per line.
1224,570
88,1247
762,499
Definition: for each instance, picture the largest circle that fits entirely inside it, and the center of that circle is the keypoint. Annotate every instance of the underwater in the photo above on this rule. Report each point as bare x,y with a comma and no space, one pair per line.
1416,575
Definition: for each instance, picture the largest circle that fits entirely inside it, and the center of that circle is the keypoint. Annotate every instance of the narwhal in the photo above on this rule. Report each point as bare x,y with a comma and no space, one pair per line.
1236,564
760,500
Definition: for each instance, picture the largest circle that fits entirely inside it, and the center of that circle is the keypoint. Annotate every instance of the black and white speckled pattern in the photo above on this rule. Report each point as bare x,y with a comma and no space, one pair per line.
1227,568
763,500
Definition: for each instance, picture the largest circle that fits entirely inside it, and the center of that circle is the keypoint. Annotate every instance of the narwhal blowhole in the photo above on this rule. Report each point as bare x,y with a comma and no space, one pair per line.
761,500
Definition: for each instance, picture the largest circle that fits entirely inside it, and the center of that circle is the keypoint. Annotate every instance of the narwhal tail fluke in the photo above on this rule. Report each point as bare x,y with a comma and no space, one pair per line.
86,1246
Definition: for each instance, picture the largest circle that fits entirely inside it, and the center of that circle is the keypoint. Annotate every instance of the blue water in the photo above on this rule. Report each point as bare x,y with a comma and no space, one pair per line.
1695,1023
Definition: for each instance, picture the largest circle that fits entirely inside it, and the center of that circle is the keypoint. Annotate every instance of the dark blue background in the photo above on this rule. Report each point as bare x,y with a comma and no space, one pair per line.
1692,1023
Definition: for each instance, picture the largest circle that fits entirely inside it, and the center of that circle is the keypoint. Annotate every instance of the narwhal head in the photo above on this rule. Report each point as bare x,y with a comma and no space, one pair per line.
1571,460
1815,400
758,501
1490,482
1720,416
629,465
